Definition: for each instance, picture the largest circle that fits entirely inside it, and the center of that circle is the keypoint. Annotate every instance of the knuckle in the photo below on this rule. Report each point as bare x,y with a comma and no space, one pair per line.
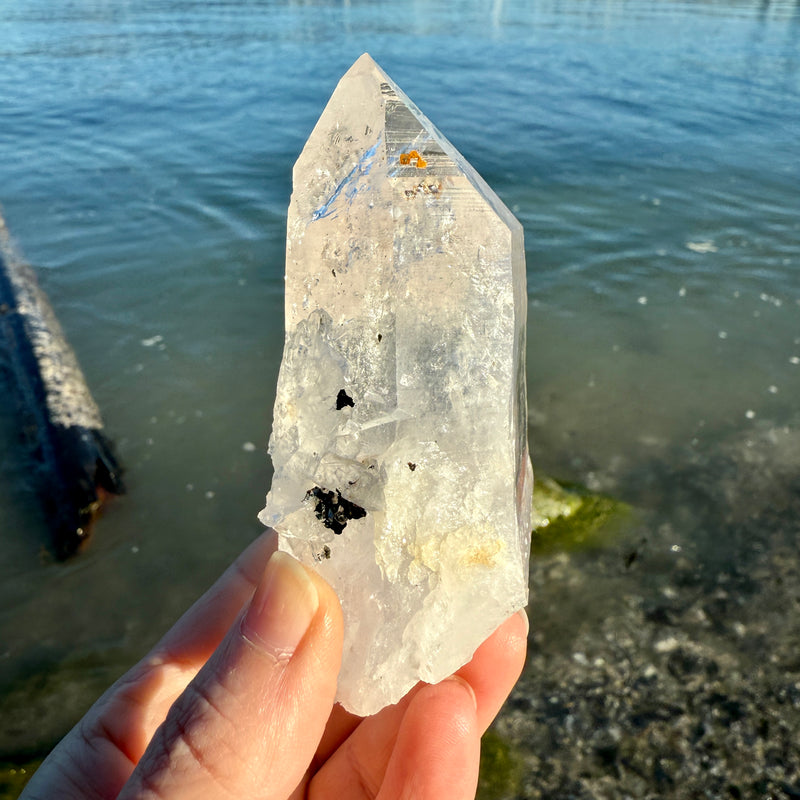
196,739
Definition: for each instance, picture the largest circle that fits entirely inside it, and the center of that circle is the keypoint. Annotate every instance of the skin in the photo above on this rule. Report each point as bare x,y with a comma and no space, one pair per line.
237,701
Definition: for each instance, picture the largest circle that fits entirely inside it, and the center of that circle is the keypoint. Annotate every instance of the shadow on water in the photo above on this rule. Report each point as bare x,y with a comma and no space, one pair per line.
23,531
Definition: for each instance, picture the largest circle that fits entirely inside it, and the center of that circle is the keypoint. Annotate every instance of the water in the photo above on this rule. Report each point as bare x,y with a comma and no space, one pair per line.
650,148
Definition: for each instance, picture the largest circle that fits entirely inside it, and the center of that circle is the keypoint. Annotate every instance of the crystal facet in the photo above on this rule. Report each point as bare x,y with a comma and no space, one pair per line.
399,438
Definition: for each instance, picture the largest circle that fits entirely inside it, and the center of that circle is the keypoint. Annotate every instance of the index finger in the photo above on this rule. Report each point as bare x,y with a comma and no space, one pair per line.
196,635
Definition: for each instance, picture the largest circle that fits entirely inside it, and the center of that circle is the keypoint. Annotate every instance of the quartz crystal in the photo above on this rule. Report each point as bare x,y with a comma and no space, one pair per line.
399,439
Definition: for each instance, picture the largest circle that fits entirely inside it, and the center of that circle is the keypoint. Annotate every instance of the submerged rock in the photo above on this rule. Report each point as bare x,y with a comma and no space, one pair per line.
570,517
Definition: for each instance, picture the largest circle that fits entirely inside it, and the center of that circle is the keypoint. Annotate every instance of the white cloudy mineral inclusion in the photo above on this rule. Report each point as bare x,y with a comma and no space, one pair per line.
399,439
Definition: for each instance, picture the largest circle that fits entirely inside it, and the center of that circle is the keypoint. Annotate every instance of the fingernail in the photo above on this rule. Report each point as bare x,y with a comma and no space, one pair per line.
282,607
524,615
467,686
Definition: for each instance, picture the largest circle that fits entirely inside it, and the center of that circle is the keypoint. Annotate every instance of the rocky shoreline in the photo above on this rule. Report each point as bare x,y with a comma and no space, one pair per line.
667,664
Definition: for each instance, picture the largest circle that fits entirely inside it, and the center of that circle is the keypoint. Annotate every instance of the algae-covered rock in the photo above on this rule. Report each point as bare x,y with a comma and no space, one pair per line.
14,776
502,768
567,517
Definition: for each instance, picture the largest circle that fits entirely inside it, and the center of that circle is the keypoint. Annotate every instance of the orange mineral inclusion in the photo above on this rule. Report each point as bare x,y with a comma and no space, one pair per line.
407,158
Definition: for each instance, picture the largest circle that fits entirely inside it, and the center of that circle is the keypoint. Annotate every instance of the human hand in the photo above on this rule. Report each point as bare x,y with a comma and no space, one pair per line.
237,700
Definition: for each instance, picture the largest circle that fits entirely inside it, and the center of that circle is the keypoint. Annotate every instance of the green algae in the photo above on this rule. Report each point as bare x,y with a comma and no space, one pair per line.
43,701
14,776
502,768
568,517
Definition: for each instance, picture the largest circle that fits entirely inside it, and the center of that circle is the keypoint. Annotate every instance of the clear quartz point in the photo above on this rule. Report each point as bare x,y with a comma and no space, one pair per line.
399,439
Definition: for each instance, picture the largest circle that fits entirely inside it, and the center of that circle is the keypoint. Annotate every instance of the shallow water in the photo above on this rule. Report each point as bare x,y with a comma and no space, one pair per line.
651,149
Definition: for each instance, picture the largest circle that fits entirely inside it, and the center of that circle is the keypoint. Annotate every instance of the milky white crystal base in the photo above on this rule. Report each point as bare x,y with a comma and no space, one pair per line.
402,391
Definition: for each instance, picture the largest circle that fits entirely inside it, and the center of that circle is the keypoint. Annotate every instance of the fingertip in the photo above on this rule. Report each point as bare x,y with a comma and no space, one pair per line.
291,599
496,666
325,638
523,615
329,602
451,707
511,638
466,686
512,635
437,752
283,606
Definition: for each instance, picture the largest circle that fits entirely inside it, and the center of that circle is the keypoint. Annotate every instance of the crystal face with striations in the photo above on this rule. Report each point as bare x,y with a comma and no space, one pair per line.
399,439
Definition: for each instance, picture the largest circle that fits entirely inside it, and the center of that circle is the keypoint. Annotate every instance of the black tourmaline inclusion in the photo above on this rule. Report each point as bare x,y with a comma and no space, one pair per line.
343,399
334,511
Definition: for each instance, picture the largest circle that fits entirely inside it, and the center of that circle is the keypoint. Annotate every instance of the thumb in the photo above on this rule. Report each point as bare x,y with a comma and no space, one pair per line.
248,725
